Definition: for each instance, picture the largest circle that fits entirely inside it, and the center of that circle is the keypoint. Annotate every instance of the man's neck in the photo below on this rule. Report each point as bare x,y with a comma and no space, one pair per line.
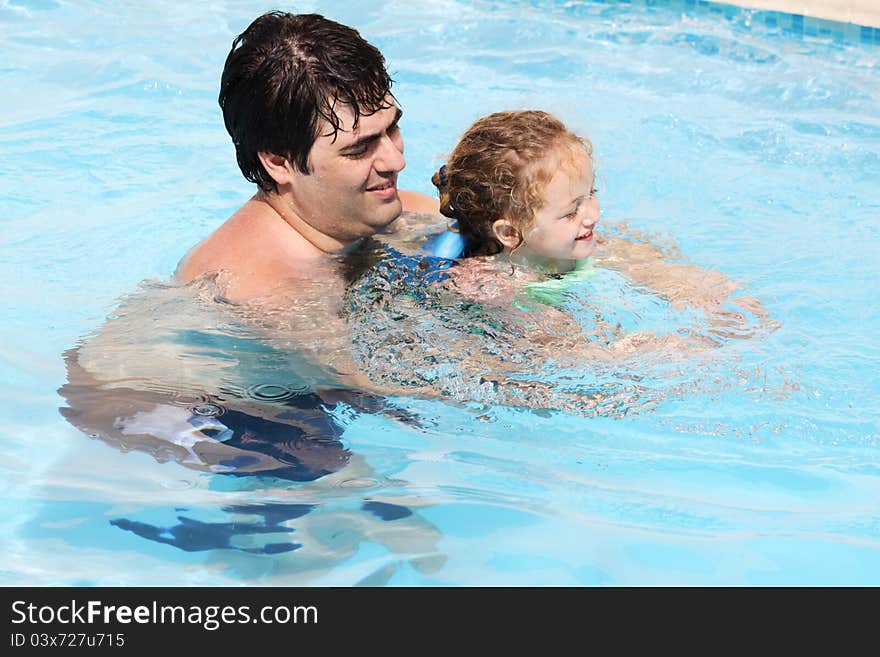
321,242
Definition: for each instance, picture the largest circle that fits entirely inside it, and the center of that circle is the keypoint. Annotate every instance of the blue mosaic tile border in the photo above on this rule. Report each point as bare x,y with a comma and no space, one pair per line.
794,24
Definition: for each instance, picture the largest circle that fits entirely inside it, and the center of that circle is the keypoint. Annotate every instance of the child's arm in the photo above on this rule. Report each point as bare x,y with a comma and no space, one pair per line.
681,283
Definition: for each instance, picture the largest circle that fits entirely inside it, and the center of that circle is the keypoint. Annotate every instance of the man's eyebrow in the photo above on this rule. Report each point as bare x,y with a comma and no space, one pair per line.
366,140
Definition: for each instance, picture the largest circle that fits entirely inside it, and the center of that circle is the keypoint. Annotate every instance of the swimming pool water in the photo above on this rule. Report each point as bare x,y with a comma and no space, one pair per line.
755,149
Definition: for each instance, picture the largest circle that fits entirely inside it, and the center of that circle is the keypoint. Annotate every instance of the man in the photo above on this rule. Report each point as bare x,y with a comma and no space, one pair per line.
308,105
309,108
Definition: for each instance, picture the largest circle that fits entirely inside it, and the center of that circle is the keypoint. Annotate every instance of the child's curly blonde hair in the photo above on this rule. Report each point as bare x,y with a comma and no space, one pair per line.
500,168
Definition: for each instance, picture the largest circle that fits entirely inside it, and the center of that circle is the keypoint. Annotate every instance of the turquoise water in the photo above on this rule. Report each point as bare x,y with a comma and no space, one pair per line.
755,148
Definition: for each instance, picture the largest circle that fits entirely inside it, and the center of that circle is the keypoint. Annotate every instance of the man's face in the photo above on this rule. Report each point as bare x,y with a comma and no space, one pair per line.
351,191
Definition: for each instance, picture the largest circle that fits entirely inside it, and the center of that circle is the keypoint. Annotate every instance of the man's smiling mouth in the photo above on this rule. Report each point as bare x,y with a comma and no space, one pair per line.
388,184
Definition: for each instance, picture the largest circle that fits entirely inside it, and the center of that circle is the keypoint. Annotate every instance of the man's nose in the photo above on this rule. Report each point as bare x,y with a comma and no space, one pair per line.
390,156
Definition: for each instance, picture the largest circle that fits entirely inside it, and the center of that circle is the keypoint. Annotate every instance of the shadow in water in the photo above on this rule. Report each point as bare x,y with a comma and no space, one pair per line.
195,536
328,538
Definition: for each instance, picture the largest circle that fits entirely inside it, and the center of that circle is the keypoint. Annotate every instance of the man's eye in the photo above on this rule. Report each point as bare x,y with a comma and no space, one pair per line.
357,154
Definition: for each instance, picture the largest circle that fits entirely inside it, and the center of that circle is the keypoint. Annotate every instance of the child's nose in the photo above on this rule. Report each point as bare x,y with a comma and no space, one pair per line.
591,215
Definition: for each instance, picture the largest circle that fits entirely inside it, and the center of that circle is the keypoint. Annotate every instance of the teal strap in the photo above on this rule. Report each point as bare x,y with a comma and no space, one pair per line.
551,292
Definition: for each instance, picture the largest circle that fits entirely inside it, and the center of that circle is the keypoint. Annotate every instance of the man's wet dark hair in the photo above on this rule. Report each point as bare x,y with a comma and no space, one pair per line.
284,74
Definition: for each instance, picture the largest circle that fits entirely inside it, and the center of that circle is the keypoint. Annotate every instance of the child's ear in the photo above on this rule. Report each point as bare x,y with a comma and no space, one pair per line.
506,233
277,166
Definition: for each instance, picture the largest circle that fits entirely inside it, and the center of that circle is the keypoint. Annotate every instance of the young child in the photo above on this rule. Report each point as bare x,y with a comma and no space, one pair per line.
520,188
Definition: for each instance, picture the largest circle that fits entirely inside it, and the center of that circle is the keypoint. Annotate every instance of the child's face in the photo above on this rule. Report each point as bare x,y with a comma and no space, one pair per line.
563,225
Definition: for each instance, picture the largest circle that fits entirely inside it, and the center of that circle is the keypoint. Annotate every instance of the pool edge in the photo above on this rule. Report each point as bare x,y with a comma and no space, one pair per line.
855,12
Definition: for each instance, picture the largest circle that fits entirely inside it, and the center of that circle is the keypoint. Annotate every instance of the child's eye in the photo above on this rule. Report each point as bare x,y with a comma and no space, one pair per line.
594,191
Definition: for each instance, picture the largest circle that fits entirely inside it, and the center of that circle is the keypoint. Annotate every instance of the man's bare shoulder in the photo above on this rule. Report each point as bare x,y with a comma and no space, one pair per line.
252,251
418,202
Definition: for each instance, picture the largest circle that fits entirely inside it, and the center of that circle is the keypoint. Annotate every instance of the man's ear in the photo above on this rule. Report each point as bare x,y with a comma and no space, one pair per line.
506,233
277,166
